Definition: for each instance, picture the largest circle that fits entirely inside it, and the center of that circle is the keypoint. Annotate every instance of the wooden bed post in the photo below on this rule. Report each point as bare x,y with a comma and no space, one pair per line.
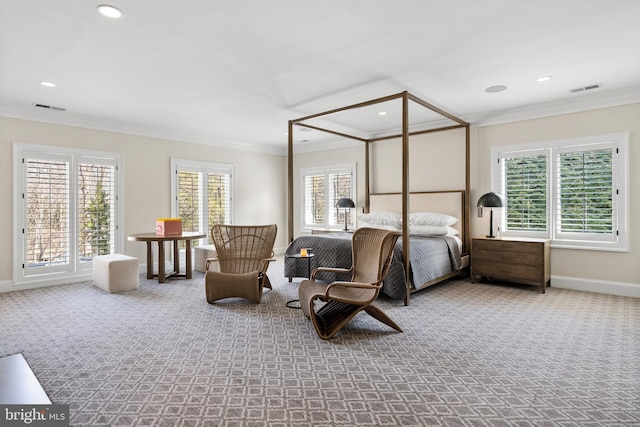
290,182
366,176
466,244
405,194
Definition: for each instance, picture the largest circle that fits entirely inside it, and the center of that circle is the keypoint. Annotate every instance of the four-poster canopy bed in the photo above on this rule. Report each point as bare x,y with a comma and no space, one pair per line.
452,202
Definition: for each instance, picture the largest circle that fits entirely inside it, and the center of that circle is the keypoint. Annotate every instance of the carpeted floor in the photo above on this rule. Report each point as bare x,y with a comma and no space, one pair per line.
471,355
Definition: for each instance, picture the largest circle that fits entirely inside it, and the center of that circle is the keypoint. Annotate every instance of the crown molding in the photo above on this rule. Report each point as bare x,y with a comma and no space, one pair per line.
85,122
577,103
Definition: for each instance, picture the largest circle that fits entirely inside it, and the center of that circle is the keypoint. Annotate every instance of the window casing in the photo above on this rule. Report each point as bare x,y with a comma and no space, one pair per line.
322,187
573,192
202,194
67,210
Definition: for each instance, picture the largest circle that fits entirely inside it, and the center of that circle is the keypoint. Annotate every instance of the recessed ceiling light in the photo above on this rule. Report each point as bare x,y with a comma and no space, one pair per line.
382,113
48,84
305,130
110,11
543,79
494,89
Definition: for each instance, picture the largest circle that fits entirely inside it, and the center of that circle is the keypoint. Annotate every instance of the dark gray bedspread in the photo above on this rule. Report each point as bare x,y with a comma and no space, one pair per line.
431,258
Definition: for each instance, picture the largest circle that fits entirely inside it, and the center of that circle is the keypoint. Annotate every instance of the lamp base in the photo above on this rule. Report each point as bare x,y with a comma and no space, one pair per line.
490,237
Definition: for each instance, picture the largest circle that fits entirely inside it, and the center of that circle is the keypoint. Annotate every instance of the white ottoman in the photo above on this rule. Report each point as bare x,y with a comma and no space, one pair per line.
115,272
201,255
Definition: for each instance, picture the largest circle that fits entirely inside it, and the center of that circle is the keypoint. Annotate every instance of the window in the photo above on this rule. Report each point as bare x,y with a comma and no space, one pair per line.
573,192
202,193
66,210
322,188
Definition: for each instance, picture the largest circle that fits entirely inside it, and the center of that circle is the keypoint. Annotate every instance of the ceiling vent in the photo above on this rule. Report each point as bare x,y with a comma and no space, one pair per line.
49,107
584,88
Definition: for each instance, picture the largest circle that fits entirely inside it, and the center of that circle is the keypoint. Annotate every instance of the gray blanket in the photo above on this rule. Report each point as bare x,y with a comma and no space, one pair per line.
431,258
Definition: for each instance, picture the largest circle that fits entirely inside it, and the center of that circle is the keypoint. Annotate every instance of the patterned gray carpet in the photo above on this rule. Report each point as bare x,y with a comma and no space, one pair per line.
471,355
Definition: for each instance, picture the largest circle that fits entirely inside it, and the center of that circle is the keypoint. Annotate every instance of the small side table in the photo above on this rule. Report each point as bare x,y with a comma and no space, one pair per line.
302,257
298,257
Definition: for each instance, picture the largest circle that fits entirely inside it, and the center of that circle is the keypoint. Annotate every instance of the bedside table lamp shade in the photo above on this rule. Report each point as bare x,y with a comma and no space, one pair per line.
345,203
490,200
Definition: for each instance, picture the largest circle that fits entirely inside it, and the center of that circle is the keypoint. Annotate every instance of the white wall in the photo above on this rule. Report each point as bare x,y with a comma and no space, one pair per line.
598,271
260,179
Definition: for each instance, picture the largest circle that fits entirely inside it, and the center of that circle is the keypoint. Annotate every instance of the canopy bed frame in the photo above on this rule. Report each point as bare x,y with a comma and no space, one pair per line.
405,97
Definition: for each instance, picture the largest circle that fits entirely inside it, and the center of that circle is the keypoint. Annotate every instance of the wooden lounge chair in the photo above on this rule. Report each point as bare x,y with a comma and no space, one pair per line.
244,254
372,251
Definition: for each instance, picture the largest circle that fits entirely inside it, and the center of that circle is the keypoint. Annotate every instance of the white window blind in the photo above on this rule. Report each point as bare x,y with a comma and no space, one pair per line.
525,191
67,208
586,193
573,191
314,200
47,214
190,196
322,187
95,209
202,194
339,187
219,186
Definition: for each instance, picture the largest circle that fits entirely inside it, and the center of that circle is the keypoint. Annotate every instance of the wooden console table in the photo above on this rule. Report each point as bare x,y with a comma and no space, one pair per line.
149,238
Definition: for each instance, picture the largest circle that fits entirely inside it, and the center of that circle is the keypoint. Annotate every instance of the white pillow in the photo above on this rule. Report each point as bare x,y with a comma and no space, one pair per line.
382,218
452,231
389,227
428,230
431,218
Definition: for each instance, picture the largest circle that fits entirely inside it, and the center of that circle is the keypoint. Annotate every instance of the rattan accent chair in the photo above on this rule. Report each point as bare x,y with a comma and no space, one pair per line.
243,253
339,302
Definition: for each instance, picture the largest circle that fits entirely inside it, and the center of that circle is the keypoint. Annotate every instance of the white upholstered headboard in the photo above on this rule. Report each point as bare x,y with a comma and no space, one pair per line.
448,202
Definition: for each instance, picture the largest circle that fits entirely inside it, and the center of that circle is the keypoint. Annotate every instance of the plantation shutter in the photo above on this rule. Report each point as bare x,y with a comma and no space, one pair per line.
190,199
573,192
525,190
203,194
339,187
586,190
96,207
322,188
314,200
47,214
219,188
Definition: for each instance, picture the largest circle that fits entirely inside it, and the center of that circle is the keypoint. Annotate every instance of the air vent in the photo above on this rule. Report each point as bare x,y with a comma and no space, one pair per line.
49,107
584,88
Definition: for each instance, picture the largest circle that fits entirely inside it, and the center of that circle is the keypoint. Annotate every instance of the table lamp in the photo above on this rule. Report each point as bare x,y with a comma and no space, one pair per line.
490,200
345,203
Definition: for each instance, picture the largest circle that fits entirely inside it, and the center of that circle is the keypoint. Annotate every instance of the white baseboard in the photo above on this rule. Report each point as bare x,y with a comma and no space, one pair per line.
9,285
562,282
598,286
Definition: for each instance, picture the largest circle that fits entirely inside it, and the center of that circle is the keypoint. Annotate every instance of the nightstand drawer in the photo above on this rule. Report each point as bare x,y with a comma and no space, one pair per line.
518,272
508,246
499,257
521,260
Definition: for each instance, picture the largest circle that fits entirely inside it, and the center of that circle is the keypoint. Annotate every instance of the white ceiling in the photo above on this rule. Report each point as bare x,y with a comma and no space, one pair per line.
235,72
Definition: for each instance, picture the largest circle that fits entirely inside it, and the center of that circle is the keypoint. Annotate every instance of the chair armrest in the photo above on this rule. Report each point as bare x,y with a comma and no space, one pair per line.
329,270
333,288
265,264
350,285
208,261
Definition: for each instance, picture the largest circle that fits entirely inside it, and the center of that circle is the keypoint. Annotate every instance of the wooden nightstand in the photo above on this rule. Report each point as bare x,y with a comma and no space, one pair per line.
521,260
